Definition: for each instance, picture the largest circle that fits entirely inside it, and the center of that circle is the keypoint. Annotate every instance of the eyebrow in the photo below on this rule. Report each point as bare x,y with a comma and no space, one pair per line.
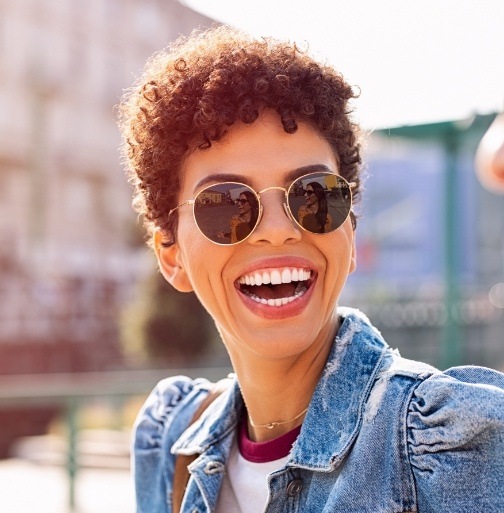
290,177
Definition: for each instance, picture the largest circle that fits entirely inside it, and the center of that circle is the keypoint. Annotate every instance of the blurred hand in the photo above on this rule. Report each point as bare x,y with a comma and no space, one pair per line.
489,159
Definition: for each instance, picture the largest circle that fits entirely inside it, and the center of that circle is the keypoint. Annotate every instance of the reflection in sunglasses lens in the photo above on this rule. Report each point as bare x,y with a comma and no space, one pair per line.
330,208
218,214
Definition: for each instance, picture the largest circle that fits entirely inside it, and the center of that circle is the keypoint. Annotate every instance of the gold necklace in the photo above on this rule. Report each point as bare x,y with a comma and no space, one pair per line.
271,425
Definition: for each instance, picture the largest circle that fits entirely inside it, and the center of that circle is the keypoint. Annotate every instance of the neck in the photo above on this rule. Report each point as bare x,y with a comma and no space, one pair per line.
278,391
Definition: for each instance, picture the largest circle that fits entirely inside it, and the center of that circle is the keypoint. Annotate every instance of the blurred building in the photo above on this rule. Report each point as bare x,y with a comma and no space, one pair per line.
70,251
69,248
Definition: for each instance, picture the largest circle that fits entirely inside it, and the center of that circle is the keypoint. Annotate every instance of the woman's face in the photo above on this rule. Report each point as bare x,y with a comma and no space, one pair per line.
243,205
263,155
310,196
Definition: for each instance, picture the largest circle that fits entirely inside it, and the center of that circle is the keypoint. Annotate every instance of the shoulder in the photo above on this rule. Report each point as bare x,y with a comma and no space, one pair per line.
447,410
164,416
469,399
455,433
302,211
171,396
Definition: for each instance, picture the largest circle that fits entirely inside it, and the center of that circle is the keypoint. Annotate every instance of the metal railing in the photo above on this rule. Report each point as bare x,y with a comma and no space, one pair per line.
71,390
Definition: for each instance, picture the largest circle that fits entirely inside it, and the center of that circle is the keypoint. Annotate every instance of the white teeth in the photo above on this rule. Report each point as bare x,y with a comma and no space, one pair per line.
278,301
286,276
276,277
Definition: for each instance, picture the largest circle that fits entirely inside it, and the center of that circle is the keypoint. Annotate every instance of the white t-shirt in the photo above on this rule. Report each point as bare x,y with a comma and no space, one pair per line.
245,484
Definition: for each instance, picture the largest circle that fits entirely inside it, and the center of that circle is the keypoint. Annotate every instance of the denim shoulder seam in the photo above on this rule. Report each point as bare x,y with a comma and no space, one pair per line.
415,382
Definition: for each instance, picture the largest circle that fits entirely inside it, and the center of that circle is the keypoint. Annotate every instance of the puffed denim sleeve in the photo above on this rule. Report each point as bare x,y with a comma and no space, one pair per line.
456,441
165,415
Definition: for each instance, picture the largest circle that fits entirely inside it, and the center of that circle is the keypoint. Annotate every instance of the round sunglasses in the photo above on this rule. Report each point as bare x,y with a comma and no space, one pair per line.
219,219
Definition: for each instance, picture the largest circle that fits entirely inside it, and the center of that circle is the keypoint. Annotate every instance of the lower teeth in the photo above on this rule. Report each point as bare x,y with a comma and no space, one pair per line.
278,301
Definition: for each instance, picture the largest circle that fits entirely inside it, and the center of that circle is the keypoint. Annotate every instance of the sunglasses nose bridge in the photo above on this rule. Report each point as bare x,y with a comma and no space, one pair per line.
272,188
271,225
275,188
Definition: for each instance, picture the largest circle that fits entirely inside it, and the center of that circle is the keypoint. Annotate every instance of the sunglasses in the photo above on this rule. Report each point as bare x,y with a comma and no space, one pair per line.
216,215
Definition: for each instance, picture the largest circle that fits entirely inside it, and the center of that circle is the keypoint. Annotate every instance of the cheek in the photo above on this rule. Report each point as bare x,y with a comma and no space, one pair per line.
342,250
202,260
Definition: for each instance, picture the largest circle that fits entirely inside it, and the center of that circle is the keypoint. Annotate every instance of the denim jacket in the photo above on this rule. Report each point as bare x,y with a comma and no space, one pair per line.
383,434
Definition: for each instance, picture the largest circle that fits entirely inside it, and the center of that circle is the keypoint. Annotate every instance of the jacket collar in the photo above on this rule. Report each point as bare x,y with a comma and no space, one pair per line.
337,407
217,422
335,413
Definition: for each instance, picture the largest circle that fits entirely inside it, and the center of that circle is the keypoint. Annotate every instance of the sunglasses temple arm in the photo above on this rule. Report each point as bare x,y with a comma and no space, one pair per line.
188,202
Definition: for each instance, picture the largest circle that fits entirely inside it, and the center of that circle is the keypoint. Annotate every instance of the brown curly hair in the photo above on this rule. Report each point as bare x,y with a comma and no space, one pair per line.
193,91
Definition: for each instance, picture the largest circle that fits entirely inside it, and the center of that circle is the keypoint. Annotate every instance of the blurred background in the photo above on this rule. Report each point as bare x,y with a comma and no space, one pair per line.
87,325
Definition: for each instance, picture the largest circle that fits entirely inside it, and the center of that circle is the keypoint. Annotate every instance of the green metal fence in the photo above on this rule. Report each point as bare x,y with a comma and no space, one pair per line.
71,390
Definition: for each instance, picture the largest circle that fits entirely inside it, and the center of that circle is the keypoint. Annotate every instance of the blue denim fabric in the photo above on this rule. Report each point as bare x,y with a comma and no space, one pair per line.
382,434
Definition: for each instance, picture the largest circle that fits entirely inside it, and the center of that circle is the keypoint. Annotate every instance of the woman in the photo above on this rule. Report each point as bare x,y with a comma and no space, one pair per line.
320,415
314,215
243,223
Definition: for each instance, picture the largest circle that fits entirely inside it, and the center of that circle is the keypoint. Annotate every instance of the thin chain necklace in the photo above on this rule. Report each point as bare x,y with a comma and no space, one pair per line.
271,425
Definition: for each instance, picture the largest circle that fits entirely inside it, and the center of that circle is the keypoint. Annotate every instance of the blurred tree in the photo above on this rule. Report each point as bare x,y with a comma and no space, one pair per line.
162,326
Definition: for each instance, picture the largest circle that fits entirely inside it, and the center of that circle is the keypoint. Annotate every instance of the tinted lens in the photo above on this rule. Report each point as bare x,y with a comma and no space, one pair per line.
331,200
226,213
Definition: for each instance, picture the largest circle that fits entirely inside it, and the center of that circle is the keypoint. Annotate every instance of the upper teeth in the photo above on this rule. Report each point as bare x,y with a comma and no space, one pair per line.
275,276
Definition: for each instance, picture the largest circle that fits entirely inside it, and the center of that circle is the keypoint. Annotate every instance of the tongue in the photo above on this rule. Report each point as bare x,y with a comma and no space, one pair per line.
274,291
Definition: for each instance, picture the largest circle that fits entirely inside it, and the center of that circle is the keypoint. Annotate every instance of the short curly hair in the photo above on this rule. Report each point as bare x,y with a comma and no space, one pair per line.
193,91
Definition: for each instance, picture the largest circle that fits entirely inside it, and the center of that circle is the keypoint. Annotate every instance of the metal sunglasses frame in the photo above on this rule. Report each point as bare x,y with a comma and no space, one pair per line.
290,215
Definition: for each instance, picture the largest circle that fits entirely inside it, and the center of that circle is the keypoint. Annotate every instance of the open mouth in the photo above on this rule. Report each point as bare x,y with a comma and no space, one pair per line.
276,287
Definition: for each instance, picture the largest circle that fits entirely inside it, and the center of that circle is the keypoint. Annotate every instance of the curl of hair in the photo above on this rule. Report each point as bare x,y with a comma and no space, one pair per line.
193,91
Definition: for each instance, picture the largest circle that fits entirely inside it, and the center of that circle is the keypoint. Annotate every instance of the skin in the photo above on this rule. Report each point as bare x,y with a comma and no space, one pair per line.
490,157
278,358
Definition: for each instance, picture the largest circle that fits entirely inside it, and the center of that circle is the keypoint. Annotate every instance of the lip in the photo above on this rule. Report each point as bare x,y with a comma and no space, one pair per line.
283,311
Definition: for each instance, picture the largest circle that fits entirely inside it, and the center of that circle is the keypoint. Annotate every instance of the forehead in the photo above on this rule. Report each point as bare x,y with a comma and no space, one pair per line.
260,154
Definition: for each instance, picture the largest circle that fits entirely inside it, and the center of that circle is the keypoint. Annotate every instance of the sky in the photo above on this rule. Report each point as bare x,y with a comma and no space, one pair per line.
415,61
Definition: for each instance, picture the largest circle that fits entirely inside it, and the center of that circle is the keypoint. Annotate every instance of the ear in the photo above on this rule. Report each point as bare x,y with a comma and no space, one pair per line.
170,264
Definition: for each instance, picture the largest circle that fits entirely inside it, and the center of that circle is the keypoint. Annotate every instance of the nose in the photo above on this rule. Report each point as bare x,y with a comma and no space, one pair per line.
275,226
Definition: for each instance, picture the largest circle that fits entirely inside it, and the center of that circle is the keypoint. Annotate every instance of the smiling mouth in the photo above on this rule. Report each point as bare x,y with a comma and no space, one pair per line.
276,287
